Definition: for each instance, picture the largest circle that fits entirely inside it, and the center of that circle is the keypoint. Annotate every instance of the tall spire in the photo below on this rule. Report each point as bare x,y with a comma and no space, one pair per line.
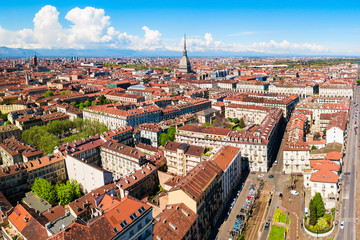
184,52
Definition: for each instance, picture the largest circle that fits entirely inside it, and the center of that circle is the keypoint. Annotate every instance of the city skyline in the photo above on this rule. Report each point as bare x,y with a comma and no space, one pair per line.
283,28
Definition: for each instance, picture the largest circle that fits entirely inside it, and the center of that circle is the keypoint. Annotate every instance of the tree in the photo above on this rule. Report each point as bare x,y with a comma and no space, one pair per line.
73,103
4,117
45,190
87,103
312,208
48,93
207,124
313,147
235,120
358,81
102,100
317,135
164,138
319,203
171,133
67,192
242,123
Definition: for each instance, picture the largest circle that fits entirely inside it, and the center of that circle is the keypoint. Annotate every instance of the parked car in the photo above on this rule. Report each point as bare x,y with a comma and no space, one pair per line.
271,176
267,224
306,211
275,163
280,196
261,175
342,225
293,192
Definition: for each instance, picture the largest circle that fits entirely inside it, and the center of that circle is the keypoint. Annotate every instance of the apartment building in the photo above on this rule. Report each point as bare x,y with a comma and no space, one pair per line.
200,190
50,168
319,106
120,159
29,121
336,90
323,177
182,157
148,133
336,129
87,149
114,117
124,97
285,102
296,150
303,90
13,150
88,175
259,144
177,221
140,183
251,114
13,181
252,86
7,131
123,135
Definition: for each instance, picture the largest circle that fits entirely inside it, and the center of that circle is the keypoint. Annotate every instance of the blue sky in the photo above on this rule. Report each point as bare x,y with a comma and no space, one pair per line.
319,27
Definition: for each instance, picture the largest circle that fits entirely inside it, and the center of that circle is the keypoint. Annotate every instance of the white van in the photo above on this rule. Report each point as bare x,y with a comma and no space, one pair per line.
306,211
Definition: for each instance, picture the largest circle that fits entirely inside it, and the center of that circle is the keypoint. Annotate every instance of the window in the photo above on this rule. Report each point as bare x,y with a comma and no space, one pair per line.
124,224
141,210
133,216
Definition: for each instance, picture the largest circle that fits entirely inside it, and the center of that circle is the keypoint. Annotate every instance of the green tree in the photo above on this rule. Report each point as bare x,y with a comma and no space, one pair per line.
313,147
207,124
164,138
45,190
235,120
358,81
87,103
73,103
102,100
171,133
312,208
319,203
67,192
242,123
4,117
7,122
48,93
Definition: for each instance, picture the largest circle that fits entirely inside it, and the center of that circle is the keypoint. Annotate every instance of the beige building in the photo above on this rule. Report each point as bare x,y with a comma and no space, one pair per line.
201,192
182,157
7,131
50,168
120,159
250,114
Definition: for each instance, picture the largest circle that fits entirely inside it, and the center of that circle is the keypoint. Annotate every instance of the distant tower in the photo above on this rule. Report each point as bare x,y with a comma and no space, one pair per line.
35,63
184,65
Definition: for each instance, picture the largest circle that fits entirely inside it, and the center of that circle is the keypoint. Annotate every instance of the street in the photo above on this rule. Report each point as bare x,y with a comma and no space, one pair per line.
347,209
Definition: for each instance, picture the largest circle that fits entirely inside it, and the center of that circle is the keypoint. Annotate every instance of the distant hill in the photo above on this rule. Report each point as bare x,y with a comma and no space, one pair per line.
16,52
19,52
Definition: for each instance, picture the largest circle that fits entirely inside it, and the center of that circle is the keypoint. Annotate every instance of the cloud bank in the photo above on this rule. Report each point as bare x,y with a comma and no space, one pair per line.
91,28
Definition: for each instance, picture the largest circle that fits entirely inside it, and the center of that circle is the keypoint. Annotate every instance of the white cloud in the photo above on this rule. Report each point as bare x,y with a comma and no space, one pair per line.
91,28
90,25
47,29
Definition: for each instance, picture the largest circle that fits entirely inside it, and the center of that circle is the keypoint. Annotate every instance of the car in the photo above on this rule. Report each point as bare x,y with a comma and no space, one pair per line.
261,175
342,225
306,211
293,192
267,224
280,196
271,176
275,163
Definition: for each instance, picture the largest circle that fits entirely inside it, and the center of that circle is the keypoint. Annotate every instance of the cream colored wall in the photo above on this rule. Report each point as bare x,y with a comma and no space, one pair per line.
178,196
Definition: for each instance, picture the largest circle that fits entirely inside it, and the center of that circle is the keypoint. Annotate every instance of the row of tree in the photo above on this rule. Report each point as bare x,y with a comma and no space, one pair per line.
58,132
169,135
62,193
316,208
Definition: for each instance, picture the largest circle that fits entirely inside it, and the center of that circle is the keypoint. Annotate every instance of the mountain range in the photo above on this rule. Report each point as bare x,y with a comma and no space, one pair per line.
6,52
